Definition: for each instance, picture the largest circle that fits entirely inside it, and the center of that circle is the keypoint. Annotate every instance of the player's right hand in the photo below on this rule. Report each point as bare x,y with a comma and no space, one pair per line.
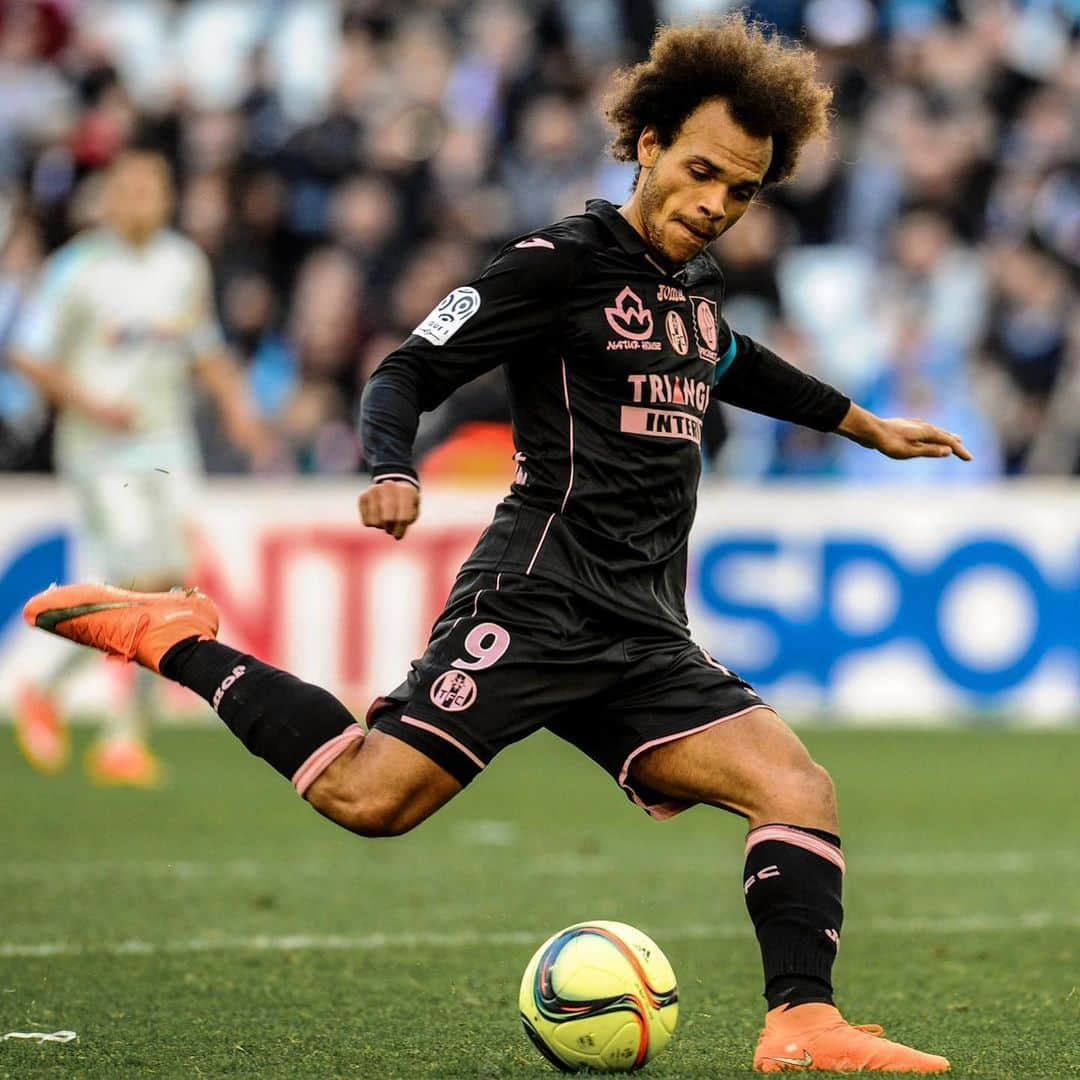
392,505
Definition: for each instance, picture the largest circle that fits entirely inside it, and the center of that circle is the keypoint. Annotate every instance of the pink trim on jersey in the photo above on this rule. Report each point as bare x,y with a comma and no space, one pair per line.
665,810
787,835
662,269
476,600
397,476
425,726
330,751
543,537
570,415
713,663
570,482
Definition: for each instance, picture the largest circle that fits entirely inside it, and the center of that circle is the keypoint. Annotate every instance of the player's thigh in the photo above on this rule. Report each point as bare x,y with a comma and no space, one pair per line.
682,729
752,763
381,787
668,690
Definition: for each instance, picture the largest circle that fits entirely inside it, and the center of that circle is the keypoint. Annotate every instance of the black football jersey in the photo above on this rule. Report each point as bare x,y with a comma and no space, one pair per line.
611,359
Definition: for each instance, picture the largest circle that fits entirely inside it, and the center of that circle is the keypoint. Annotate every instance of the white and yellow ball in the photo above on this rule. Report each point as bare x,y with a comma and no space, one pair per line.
599,995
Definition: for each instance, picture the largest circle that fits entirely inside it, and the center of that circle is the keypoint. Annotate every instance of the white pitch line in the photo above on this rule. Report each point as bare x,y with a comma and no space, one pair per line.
927,926
938,864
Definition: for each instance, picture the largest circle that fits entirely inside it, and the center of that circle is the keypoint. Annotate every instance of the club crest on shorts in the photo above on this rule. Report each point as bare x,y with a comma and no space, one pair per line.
449,315
453,691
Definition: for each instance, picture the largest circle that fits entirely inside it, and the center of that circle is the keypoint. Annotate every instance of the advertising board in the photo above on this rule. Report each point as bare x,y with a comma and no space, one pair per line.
872,605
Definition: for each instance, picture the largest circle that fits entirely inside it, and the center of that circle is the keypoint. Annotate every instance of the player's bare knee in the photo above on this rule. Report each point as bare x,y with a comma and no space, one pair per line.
337,796
804,796
800,792
820,785
377,816
809,784
807,788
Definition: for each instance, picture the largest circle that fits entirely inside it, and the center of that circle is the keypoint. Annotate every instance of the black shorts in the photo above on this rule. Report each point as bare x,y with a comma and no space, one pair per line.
511,654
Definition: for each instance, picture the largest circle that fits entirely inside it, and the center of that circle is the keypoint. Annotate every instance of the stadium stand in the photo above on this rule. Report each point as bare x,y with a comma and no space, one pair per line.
345,164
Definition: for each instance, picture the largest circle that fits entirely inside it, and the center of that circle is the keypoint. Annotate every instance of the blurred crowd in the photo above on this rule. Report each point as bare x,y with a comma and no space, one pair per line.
345,164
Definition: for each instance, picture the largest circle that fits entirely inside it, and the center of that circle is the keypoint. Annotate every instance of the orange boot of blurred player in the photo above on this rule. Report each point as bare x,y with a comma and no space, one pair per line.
123,761
40,730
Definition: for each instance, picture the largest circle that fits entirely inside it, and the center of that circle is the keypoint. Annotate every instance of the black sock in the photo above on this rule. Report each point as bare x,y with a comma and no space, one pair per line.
792,883
274,714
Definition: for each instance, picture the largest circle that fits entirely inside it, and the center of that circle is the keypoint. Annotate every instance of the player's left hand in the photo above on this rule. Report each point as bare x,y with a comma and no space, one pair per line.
901,438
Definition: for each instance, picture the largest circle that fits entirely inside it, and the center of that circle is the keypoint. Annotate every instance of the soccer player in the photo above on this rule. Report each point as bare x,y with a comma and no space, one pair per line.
121,321
569,614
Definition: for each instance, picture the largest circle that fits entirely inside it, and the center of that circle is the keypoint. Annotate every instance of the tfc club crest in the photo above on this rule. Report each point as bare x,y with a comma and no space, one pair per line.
705,327
630,318
676,333
706,320
453,691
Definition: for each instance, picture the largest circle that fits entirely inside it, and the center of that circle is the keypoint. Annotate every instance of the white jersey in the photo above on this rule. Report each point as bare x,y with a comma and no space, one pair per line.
127,324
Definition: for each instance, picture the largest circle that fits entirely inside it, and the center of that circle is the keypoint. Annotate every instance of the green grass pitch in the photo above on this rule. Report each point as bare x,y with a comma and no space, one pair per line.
219,927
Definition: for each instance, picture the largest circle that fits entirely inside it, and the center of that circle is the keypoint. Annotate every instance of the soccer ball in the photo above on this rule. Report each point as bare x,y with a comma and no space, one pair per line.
599,995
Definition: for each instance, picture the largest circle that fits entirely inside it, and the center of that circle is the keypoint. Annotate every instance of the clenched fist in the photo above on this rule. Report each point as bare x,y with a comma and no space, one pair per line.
392,505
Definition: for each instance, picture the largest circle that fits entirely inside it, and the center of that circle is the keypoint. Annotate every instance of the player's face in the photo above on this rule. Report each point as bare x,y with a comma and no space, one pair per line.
138,197
698,187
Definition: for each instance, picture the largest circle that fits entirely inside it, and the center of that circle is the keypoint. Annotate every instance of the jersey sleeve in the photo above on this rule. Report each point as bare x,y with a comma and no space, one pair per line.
45,324
752,377
507,315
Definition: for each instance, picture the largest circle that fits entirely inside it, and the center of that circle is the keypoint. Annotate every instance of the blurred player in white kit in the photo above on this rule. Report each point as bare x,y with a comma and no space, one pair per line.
120,328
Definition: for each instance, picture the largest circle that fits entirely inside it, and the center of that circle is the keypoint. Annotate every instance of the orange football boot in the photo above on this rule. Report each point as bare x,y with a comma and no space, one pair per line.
134,625
123,762
40,730
816,1038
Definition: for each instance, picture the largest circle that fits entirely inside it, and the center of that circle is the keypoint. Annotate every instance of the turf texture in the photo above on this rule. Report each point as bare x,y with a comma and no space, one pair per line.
219,927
